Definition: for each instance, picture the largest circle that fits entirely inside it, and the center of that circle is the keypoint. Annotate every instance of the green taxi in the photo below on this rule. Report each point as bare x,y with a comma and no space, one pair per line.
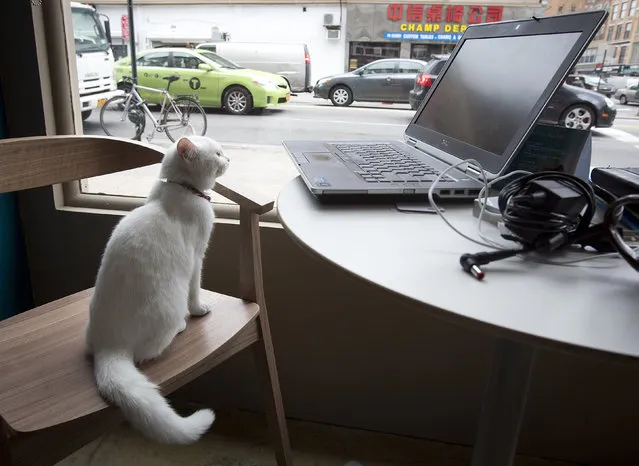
216,81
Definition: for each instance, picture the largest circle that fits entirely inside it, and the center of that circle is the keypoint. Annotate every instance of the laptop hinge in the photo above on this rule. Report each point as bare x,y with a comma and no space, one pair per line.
472,169
411,141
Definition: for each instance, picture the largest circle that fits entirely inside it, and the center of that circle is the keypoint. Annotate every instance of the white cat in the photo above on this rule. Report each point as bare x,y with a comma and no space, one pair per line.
149,283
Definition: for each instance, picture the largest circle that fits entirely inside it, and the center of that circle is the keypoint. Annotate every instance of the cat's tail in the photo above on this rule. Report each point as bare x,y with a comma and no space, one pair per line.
121,383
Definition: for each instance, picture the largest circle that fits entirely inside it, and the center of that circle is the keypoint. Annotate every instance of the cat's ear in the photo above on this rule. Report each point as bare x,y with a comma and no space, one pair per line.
186,149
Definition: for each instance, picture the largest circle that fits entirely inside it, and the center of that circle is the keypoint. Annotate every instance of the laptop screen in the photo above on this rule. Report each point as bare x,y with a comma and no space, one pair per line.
496,83
491,87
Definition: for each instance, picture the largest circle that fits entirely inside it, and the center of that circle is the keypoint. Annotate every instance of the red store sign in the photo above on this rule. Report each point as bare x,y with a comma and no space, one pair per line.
414,13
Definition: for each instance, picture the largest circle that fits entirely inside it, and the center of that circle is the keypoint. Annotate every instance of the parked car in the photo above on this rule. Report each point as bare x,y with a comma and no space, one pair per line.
288,60
628,94
215,81
576,80
570,106
426,79
386,80
601,85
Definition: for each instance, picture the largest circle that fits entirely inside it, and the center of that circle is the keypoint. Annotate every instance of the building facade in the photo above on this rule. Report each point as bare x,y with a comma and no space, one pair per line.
615,48
340,35
417,30
186,25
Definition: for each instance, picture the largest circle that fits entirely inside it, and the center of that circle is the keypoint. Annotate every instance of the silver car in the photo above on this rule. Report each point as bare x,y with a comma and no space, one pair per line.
628,94
386,80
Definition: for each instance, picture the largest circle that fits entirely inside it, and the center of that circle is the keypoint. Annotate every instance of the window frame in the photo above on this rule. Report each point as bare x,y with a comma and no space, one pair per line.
159,52
379,63
69,196
419,67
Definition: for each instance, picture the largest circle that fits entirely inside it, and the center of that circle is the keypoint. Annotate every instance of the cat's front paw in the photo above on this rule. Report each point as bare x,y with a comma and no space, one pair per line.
199,310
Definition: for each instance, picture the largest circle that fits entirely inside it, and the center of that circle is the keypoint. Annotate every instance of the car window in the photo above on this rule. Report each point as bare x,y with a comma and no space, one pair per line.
410,67
633,88
384,67
437,67
186,60
219,61
154,59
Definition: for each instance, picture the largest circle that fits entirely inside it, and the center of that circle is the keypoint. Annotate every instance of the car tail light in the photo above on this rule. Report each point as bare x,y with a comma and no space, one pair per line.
307,58
424,80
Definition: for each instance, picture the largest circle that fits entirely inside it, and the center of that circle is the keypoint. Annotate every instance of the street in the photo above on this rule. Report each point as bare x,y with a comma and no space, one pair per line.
253,142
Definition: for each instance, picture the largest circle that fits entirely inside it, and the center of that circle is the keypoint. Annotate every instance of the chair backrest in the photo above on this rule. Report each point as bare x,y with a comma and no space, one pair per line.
46,160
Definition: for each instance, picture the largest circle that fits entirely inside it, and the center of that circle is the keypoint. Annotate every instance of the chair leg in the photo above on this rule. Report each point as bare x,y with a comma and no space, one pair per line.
5,452
267,373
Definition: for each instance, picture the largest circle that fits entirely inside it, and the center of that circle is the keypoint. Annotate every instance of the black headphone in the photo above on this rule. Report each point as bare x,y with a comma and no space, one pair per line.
612,218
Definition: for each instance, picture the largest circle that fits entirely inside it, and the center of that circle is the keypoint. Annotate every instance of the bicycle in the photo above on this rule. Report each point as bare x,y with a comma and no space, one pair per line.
175,113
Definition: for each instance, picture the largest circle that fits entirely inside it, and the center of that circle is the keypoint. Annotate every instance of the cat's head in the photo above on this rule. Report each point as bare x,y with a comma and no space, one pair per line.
195,160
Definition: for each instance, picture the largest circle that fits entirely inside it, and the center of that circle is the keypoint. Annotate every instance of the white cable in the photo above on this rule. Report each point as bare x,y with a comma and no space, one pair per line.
431,199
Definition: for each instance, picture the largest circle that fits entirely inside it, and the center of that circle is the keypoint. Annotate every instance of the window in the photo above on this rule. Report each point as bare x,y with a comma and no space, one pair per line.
601,32
622,55
255,142
186,60
624,9
437,67
626,32
614,52
611,30
154,59
589,56
573,7
618,32
560,9
615,12
409,67
363,53
120,51
633,7
382,67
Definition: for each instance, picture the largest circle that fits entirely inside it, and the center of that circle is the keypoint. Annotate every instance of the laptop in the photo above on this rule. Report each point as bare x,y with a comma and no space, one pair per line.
485,102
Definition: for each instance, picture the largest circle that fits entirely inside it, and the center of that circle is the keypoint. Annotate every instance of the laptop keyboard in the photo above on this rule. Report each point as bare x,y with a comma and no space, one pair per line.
383,163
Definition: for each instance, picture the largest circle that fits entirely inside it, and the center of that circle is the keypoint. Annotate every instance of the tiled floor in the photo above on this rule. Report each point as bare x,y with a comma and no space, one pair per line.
239,439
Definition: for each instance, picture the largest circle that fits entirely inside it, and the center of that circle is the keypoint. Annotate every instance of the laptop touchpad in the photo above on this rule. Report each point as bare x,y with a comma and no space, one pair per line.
319,157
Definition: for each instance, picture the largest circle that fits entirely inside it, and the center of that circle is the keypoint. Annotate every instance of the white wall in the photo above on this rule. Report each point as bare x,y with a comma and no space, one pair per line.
245,23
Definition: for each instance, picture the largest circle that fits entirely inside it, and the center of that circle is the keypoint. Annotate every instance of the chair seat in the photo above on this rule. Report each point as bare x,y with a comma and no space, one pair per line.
46,378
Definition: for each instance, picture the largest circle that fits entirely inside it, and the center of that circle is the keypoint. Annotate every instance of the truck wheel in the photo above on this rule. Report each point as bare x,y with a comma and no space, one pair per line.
86,114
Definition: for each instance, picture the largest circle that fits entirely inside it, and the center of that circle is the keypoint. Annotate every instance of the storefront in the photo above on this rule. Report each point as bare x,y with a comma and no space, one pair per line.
375,31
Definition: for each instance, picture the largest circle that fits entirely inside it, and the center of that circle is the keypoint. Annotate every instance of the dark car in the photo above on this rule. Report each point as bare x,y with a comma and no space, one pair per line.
386,80
571,106
425,79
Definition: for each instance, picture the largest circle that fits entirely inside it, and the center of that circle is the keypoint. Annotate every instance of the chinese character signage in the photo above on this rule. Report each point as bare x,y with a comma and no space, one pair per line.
438,22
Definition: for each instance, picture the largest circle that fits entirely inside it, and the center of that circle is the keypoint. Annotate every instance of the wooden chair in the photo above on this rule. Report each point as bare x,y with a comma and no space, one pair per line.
49,405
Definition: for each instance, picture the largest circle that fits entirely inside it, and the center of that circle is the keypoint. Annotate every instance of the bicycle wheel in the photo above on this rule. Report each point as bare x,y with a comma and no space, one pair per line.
191,117
119,122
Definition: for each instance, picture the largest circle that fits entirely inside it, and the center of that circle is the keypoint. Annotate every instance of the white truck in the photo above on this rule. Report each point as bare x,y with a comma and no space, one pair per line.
94,58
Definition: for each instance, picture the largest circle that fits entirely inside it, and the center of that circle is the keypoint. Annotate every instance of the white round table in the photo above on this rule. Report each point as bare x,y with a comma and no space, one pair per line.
592,307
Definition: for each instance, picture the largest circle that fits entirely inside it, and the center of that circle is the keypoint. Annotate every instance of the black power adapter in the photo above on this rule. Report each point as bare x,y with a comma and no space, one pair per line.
542,209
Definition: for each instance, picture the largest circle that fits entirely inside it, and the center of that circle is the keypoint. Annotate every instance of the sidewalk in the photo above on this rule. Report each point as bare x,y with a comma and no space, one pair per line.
263,168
